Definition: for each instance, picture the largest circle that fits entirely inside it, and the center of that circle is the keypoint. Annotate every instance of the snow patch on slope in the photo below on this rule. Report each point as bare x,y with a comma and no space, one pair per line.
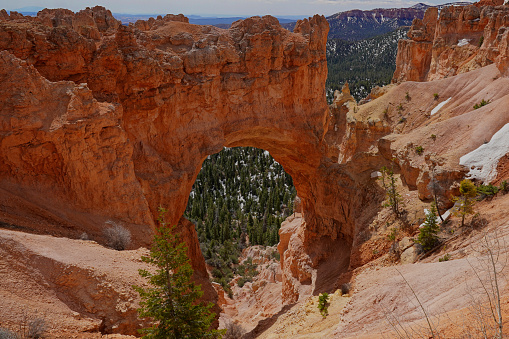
463,42
483,161
439,106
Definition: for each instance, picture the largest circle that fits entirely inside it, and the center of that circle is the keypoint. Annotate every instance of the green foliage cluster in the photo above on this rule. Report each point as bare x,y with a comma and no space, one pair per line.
446,257
171,299
323,304
487,191
481,104
239,198
364,64
428,234
465,202
419,150
247,271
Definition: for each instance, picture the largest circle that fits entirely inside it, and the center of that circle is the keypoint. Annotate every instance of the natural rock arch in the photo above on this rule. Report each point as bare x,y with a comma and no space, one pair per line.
178,93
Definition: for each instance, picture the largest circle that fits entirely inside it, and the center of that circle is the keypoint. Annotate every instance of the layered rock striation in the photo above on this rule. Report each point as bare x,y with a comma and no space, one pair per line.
108,122
460,39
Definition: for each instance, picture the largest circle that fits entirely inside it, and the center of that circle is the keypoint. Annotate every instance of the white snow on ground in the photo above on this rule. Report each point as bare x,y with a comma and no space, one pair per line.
439,106
463,42
445,216
483,161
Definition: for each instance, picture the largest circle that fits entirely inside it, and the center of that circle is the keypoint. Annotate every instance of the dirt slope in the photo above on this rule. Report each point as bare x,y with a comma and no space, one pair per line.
75,285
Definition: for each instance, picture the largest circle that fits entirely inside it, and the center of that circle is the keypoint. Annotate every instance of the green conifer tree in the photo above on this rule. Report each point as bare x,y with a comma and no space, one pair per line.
323,304
428,235
171,299
465,202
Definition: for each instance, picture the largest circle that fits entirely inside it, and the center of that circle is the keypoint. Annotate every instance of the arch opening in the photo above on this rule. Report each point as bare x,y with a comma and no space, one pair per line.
239,199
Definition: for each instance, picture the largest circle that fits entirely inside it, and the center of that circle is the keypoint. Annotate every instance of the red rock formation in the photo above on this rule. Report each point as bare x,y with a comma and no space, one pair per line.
460,40
168,95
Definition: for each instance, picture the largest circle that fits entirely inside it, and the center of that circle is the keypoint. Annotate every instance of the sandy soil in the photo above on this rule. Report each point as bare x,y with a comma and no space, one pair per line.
76,286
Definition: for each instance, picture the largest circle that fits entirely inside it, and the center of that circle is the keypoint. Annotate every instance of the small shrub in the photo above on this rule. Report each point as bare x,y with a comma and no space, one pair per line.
233,331
487,191
402,120
275,255
435,96
504,187
481,40
36,328
481,104
117,236
445,258
434,137
6,334
407,97
393,234
217,273
323,304
345,288
400,107
419,150
478,221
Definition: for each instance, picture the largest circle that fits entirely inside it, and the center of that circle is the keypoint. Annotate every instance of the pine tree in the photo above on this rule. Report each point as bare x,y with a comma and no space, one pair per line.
389,183
323,304
171,299
465,202
428,237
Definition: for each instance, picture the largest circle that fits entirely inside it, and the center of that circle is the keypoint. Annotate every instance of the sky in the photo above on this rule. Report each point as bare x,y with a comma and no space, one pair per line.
219,7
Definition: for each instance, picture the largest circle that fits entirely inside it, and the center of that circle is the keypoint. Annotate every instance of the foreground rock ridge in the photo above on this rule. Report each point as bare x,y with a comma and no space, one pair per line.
104,122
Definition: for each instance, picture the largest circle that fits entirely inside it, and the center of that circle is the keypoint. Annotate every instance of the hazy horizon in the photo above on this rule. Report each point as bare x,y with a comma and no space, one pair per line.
221,8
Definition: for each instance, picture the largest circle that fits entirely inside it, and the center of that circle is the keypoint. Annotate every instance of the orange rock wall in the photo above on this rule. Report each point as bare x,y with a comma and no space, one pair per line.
434,49
107,122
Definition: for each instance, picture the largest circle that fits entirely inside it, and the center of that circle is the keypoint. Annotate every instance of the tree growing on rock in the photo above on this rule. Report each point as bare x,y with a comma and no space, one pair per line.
428,235
172,298
436,189
389,184
465,202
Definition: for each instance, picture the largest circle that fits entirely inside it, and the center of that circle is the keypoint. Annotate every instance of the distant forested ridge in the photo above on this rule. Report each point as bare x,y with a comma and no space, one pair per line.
358,25
364,63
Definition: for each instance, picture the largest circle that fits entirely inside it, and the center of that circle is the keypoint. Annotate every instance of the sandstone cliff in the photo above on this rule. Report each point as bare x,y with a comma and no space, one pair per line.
461,39
106,122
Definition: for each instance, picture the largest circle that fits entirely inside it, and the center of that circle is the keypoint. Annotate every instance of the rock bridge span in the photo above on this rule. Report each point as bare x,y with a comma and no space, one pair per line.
107,122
